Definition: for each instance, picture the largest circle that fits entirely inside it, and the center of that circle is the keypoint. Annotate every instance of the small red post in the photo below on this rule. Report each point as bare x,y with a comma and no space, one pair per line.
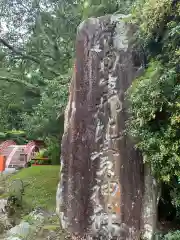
2,163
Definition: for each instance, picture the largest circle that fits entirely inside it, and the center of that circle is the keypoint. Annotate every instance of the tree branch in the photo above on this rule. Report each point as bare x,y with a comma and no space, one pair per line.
53,71
25,56
49,56
30,86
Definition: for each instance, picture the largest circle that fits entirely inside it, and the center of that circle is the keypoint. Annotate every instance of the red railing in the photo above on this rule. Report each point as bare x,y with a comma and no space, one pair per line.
29,149
6,144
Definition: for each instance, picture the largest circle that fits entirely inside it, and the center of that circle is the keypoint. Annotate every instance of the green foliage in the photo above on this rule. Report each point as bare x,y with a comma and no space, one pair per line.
53,150
44,119
154,110
172,236
40,162
10,110
41,154
158,23
18,136
155,96
36,52
96,8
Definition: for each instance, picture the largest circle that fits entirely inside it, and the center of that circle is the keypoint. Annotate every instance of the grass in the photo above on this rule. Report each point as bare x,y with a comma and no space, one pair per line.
40,186
40,192
3,185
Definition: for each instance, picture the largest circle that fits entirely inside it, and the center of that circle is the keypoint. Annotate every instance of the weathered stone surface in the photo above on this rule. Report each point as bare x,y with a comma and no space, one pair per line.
22,230
101,188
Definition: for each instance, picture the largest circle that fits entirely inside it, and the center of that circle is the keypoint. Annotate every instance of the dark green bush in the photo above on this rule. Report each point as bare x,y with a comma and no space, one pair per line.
155,97
172,236
53,150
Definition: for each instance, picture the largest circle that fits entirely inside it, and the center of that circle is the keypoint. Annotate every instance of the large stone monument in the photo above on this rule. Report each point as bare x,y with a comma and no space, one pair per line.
101,192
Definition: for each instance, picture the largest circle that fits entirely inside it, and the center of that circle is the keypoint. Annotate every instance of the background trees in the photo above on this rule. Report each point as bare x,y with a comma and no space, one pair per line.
155,97
36,52
36,58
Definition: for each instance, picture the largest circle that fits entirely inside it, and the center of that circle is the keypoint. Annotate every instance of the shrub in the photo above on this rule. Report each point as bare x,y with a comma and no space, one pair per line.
155,97
53,150
172,236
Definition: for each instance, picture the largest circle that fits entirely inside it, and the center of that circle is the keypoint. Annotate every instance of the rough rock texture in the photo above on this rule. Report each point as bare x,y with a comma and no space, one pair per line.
150,202
102,182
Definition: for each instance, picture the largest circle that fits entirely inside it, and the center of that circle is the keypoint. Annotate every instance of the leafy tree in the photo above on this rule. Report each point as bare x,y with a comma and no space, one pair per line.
43,53
96,8
37,47
155,96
